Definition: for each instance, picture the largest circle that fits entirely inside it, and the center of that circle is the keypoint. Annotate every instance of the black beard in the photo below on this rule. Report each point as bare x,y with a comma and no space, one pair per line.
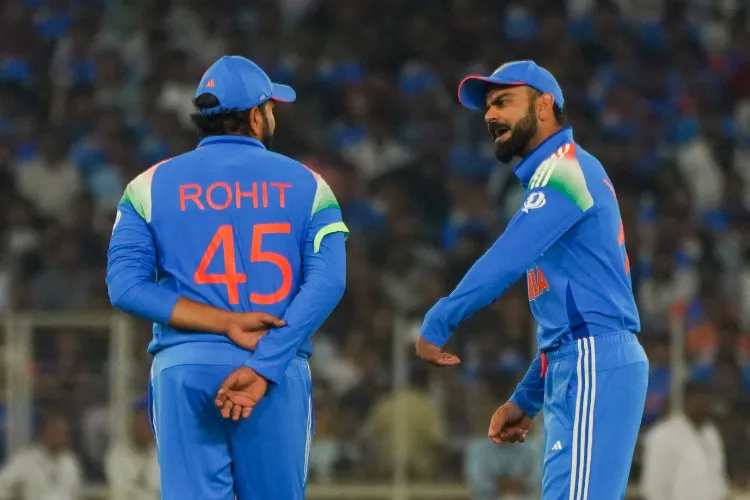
267,135
267,139
520,135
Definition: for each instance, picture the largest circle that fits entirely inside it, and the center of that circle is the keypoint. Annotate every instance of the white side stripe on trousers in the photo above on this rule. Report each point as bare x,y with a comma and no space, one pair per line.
583,423
153,407
308,438
309,429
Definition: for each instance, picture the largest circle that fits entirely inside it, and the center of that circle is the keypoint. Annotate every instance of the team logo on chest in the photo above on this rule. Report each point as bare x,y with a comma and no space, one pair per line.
534,200
537,283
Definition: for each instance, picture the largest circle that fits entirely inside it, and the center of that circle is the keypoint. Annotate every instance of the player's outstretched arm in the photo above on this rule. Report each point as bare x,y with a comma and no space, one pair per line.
131,265
529,234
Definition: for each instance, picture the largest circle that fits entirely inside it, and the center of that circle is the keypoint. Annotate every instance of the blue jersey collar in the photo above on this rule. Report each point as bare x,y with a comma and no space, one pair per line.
527,167
231,139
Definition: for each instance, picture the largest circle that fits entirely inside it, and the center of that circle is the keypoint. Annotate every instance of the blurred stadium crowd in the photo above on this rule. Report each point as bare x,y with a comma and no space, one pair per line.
92,92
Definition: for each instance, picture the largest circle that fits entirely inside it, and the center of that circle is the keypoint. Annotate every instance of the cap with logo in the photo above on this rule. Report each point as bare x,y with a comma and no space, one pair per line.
239,84
473,88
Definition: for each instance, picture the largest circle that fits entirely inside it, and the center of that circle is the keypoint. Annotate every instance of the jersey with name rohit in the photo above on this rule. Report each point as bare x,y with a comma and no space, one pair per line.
229,221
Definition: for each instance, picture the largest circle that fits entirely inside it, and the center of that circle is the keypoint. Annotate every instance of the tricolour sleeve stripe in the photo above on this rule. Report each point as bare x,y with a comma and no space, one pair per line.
563,173
138,192
324,197
336,227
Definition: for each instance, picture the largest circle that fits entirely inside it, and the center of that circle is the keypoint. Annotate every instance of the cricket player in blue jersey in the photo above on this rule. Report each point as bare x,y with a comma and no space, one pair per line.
590,374
216,247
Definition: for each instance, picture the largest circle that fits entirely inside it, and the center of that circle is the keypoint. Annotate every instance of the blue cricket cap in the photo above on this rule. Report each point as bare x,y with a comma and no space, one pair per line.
239,84
473,89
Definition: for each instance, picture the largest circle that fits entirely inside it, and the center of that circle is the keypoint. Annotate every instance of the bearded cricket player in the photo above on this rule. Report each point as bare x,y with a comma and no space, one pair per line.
591,373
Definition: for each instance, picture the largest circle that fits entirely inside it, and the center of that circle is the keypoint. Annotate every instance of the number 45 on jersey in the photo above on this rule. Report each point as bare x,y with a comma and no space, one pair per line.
224,238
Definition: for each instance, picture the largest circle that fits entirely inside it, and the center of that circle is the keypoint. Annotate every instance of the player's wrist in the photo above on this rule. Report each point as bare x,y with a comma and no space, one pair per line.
225,320
264,371
524,406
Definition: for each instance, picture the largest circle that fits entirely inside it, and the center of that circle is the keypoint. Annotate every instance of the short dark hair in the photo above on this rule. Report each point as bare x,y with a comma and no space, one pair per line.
228,123
560,116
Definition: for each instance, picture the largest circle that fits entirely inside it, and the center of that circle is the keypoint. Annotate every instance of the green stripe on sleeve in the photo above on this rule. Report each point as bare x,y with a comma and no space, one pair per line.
568,179
324,197
335,227
138,192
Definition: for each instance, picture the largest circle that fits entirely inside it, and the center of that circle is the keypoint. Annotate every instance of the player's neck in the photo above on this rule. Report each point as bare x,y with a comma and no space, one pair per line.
544,133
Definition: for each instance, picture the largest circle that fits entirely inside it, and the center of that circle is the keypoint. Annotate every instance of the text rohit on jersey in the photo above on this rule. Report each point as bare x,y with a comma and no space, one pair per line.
222,195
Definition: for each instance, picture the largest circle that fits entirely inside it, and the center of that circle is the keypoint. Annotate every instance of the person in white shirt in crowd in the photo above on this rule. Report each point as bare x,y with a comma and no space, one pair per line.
131,467
46,471
684,456
49,181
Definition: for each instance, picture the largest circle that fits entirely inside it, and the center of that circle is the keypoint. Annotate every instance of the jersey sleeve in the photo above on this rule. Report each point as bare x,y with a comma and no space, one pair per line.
529,393
325,214
557,199
323,285
131,258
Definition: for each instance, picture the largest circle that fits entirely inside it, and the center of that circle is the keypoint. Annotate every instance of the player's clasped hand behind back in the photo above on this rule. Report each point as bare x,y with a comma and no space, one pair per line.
243,388
246,329
240,392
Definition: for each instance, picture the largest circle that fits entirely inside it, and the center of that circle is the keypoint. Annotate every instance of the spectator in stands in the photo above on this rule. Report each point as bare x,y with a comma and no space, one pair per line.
48,181
684,456
325,450
413,408
63,284
47,470
131,468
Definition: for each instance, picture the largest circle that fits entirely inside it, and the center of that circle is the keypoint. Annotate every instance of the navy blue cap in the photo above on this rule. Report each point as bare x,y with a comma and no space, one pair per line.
239,84
473,89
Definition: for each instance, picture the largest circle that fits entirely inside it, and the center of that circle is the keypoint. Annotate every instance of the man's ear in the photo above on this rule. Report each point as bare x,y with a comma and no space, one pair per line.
546,107
256,121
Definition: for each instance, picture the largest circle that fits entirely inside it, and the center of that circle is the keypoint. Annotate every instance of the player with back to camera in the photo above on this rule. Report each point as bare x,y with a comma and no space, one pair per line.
591,373
236,237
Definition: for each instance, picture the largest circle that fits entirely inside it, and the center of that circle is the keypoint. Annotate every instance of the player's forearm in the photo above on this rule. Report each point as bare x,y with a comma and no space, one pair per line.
189,315
487,279
323,287
526,238
141,298
529,394
131,264
153,302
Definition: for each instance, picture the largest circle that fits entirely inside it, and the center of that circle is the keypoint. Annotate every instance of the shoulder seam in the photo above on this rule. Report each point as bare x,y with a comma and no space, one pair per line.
544,171
143,206
570,180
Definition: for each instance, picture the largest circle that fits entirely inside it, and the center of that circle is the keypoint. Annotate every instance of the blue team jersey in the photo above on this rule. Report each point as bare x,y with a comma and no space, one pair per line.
580,285
230,222
568,239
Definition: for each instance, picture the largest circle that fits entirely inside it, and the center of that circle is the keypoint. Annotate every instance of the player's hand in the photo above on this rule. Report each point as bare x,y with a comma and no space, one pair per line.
240,392
509,424
246,329
435,355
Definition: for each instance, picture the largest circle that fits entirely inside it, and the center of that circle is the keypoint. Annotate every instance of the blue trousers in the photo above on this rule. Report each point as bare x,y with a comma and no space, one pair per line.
204,457
594,396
